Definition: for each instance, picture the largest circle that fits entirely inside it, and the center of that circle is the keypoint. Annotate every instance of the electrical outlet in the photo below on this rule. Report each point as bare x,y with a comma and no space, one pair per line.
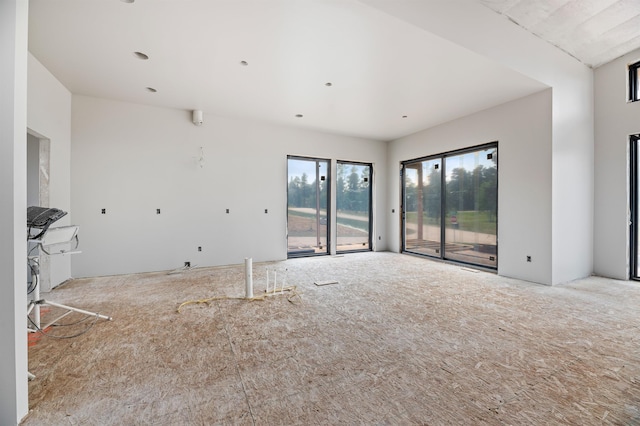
528,258
199,248
187,264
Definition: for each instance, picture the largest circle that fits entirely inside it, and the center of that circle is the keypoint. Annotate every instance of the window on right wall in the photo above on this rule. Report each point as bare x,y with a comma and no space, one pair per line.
634,82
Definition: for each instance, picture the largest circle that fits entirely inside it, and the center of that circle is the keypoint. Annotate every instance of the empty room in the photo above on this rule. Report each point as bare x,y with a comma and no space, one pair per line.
319,212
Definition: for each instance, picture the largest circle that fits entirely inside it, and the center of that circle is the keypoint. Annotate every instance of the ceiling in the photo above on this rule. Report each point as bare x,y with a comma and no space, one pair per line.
593,31
346,67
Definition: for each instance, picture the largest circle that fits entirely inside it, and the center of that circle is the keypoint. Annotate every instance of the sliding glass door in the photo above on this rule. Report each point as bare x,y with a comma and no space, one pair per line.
454,218
353,207
471,199
422,206
634,203
307,206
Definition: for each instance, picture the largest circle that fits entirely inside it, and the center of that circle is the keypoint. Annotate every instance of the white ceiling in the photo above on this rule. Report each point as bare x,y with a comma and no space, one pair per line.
381,68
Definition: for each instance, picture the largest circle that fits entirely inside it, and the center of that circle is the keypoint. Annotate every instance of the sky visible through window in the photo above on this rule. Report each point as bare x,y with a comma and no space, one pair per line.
467,161
298,167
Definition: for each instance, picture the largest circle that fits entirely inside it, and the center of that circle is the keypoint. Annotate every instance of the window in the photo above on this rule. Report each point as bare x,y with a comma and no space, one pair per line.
422,233
450,206
353,206
634,82
309,201
307,206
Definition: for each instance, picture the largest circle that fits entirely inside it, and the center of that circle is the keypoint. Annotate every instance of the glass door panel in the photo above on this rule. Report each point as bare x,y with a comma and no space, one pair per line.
422,209
353,207
471,221
635,196
307,207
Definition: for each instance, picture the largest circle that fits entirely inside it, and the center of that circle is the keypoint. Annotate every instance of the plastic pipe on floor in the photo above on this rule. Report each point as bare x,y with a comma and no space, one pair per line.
248,277
267,291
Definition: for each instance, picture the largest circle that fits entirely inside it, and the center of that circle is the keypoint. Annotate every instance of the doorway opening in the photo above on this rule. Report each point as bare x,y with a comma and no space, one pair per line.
38,155
308,195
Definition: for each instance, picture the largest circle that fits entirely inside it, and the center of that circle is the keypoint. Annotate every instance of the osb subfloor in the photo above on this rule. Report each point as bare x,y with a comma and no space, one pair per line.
400,340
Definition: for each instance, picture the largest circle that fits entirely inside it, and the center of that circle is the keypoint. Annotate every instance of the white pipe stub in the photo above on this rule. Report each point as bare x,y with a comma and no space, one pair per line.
248,277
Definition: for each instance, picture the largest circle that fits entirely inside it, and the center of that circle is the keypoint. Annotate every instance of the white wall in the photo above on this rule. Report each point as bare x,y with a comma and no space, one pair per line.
497,38
49,116
615,120
573,174
131,159
523,131
13,210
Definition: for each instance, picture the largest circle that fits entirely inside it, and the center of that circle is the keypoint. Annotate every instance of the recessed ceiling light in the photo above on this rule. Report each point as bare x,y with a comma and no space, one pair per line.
141,55
151,89
299,115
244,63
328,84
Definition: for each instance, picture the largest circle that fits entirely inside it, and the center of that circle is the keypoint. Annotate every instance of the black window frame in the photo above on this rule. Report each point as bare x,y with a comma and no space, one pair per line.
370,248
327,252
441,253
634,227
633,82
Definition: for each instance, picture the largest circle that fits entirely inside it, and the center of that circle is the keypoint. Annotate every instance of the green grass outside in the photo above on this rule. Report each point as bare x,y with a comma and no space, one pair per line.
354,223
476,221
472,220
305,214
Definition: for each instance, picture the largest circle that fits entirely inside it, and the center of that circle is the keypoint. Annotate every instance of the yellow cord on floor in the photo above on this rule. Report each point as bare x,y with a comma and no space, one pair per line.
291,290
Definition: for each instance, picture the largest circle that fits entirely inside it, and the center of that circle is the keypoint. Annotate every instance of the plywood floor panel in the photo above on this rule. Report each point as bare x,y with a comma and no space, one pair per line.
399,340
